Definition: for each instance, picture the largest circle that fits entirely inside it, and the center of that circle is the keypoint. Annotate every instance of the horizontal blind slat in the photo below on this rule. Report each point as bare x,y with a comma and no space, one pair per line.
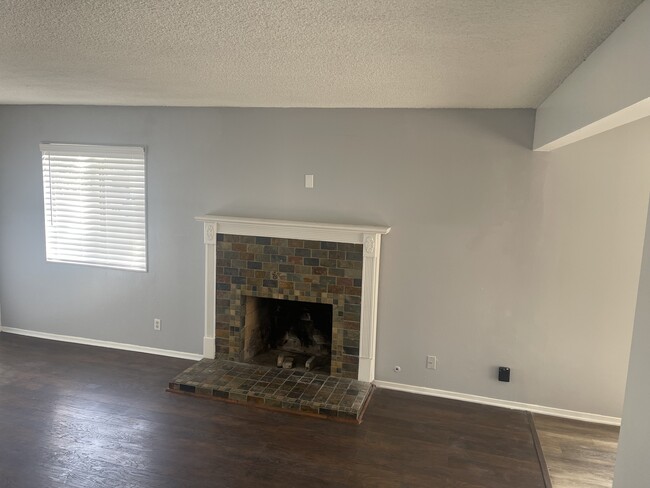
99,240
130,214
98,236
104,263
130,259
117,227
126,255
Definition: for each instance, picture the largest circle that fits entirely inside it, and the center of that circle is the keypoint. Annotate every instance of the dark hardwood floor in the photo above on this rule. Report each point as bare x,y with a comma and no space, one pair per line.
81,416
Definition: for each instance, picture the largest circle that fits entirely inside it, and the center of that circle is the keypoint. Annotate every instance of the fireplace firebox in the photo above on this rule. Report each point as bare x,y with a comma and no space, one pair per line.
288,334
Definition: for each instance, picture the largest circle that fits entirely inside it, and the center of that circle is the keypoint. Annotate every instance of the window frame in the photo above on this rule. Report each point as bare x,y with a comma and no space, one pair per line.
85,156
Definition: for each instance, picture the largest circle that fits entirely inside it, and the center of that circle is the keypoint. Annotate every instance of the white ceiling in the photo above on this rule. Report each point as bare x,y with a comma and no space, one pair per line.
300,53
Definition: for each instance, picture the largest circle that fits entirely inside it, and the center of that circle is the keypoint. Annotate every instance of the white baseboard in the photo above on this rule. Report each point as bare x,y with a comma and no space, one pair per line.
555,412
421,390
108,344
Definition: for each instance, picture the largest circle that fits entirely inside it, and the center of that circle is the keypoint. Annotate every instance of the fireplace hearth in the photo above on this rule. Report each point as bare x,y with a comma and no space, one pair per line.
300,392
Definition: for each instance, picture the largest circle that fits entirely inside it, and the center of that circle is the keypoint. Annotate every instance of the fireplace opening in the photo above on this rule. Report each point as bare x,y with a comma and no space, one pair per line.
288,334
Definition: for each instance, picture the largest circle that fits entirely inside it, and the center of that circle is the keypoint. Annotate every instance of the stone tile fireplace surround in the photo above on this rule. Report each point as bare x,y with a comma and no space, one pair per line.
304,261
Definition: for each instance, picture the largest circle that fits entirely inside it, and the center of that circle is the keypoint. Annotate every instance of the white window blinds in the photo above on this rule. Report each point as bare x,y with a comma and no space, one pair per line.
95,205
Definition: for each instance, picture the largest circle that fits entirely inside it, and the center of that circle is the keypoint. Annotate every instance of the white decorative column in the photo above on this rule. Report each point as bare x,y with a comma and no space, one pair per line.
368,236
210,241
369,295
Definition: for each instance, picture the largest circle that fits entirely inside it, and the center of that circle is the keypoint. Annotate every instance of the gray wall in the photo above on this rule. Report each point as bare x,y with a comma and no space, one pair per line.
584,269
634,443
498,255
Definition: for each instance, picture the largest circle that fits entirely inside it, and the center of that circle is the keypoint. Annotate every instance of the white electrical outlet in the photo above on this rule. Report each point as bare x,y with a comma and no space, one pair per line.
156,324
309,181
432,362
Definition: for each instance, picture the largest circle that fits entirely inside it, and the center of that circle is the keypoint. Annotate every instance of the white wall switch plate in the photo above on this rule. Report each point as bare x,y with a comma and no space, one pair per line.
432,362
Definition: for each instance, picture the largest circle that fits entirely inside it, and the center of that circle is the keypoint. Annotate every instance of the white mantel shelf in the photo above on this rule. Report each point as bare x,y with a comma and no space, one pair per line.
368,235
292,229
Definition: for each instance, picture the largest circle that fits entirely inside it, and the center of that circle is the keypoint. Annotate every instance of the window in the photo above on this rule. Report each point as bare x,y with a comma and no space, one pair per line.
95,205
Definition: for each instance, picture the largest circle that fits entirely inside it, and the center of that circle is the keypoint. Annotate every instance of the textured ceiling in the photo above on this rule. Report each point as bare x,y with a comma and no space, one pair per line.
300,53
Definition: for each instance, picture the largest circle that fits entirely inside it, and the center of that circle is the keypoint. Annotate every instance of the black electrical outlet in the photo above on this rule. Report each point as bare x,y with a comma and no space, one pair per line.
504,374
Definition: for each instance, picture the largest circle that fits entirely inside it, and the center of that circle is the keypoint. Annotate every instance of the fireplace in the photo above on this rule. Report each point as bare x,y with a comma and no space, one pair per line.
288,334
255,265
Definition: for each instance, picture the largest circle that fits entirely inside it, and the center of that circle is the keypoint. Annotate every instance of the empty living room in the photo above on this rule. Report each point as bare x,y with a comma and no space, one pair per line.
374,243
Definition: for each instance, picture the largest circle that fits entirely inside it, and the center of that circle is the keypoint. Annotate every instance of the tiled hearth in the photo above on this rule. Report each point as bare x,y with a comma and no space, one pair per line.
276,388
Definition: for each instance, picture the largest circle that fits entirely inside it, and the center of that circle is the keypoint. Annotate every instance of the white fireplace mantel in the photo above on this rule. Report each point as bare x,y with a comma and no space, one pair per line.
368,235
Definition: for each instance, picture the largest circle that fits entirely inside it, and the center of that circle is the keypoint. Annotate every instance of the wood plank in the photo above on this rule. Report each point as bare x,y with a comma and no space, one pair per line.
578,454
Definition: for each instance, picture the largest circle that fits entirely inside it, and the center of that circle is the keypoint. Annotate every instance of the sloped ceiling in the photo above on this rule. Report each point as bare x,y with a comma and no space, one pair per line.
302,53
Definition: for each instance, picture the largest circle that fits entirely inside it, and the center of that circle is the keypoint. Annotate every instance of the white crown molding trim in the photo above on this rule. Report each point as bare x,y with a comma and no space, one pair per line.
496,402
367,235
624,116
100,343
